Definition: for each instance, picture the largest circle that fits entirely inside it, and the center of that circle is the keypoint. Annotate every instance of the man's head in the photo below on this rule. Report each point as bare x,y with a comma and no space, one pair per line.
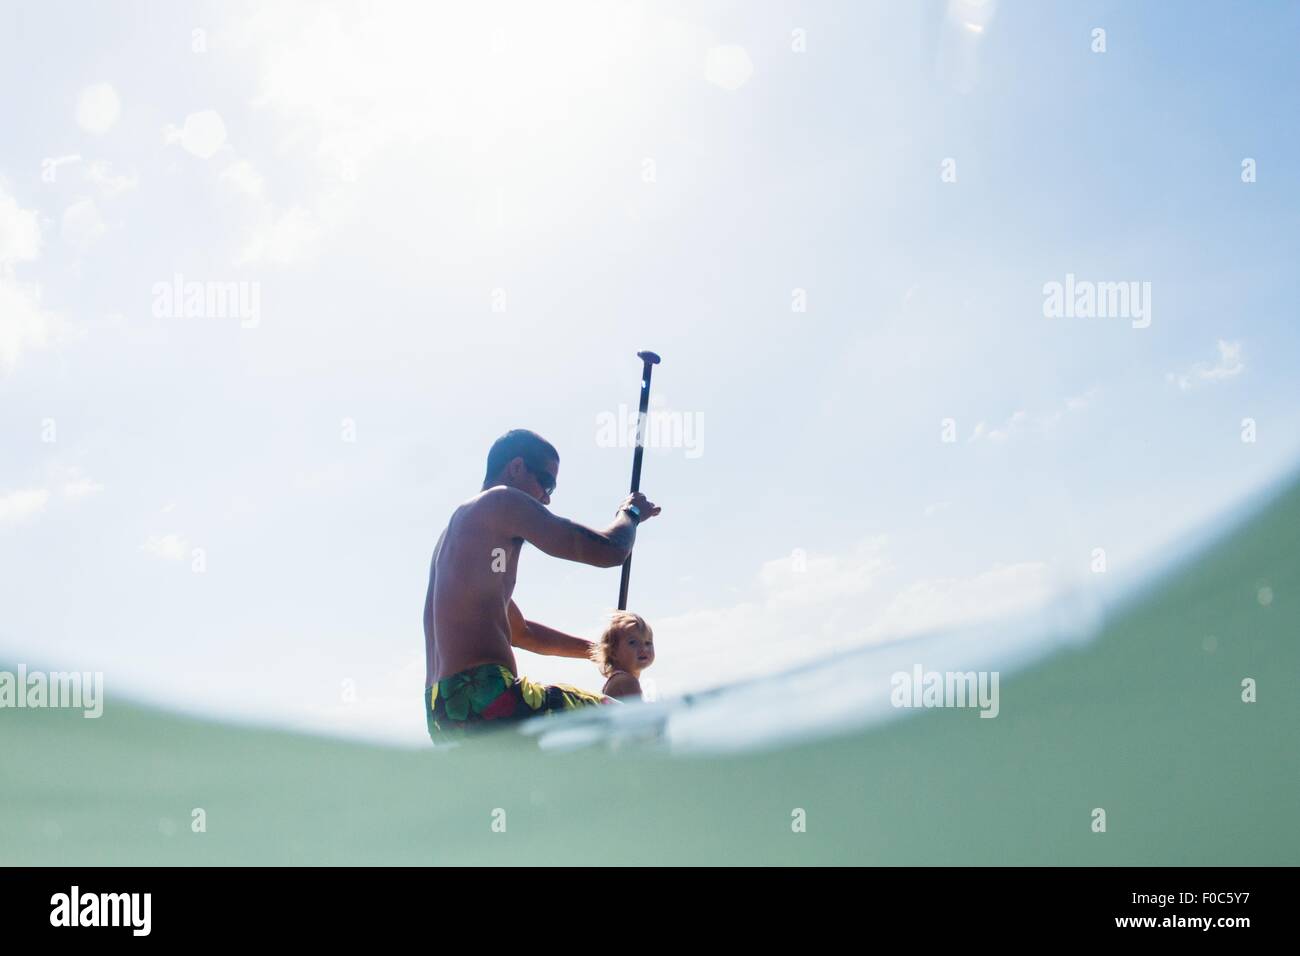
525,460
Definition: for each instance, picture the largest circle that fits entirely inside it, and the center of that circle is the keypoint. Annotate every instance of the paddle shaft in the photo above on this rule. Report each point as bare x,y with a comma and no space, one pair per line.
649,360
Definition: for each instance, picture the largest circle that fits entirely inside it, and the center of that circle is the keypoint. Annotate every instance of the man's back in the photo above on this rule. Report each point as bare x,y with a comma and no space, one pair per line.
471,580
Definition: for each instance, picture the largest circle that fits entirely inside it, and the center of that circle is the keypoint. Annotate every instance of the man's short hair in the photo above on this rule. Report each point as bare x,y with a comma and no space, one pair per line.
518,443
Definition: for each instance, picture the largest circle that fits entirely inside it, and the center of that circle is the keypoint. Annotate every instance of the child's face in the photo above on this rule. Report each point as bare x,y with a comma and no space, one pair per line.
635,651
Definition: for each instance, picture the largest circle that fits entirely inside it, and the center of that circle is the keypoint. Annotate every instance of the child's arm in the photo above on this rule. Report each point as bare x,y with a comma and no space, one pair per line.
622,684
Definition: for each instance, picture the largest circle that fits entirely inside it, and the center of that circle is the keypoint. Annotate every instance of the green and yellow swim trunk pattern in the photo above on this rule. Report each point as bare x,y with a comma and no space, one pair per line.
490,696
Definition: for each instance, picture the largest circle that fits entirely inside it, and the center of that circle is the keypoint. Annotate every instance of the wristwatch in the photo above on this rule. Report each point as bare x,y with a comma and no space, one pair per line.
634,511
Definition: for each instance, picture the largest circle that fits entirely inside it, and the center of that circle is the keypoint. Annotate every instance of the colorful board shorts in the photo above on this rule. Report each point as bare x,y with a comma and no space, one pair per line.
490,696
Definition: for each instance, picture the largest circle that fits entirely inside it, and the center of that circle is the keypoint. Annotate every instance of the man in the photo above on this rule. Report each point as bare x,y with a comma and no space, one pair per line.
471,622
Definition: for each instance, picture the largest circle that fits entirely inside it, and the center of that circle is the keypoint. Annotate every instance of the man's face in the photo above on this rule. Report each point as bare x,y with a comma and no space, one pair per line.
538,481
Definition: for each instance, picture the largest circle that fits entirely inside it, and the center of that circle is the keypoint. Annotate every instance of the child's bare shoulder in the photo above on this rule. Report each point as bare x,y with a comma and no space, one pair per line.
622,684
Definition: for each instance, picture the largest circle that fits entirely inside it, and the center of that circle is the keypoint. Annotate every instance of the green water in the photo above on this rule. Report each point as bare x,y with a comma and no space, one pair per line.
1146,722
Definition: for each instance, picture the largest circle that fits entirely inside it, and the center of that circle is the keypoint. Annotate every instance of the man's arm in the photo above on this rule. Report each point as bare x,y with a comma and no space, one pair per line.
517,515
540,639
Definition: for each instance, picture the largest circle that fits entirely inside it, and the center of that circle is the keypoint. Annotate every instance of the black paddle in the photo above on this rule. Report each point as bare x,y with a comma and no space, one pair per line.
649,360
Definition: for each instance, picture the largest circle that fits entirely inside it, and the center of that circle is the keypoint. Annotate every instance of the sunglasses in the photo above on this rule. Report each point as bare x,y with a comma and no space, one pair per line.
544,478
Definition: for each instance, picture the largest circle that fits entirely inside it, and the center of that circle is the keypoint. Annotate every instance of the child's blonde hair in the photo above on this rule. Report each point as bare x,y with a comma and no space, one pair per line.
602,652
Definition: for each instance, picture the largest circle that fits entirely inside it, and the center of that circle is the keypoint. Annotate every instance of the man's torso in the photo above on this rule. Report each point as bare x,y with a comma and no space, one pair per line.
471,580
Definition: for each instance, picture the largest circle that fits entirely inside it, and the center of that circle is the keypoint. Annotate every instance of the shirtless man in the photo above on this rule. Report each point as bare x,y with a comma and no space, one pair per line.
471,622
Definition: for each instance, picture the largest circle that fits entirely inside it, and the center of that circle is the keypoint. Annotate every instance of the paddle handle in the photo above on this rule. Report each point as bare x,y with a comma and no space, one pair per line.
648,361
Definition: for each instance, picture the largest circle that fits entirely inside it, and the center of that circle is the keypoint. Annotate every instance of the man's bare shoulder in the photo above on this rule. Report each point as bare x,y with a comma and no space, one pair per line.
498,503
496,497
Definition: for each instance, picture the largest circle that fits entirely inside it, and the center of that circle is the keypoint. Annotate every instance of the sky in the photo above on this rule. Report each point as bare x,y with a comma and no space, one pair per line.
412,227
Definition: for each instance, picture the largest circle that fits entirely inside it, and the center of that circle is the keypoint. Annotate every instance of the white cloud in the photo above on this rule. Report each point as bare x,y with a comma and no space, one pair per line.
168,547
934,509
81,487
1229,365
50,165
24,324
20,231
202,135
98,108
798,581
349,86
100,174
1075,403
82,224
728,67
935,603
1021,420
1079,402
244,178
839,602
22,505
1010,427
284,239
